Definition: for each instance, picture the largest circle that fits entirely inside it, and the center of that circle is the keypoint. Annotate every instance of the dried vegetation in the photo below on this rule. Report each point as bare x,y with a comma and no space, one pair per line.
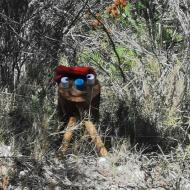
141,53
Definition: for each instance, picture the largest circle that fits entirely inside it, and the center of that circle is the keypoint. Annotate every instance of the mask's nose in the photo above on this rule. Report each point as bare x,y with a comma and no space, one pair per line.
79,84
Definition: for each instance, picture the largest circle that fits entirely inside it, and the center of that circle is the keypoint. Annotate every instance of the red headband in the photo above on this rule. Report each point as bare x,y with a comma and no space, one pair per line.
63,71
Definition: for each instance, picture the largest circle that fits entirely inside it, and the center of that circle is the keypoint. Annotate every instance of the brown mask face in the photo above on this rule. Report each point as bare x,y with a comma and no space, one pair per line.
72,90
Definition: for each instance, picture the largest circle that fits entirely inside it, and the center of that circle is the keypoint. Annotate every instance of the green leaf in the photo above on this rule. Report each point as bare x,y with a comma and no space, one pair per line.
128,9
133,23
121,51
50,75
96,57
140,5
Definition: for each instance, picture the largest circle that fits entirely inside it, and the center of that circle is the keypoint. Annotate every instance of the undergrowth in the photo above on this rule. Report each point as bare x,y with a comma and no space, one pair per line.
141,54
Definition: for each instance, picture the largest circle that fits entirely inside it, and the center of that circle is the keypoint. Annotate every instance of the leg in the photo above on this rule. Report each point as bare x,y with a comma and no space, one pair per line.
67,135
91,129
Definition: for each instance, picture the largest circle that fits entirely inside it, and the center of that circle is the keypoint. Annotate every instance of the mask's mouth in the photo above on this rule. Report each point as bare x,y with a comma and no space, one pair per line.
77,93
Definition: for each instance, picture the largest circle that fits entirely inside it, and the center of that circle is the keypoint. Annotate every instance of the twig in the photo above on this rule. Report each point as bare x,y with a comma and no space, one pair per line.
112,44
75,19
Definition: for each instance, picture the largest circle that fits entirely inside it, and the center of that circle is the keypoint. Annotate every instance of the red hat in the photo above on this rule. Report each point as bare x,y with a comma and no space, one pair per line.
63,71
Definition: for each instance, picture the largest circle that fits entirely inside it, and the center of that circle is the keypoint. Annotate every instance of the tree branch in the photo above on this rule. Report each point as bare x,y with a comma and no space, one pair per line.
112,44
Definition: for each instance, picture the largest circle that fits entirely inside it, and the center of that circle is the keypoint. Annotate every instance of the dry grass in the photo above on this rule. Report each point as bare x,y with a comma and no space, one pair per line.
122,169
144,120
